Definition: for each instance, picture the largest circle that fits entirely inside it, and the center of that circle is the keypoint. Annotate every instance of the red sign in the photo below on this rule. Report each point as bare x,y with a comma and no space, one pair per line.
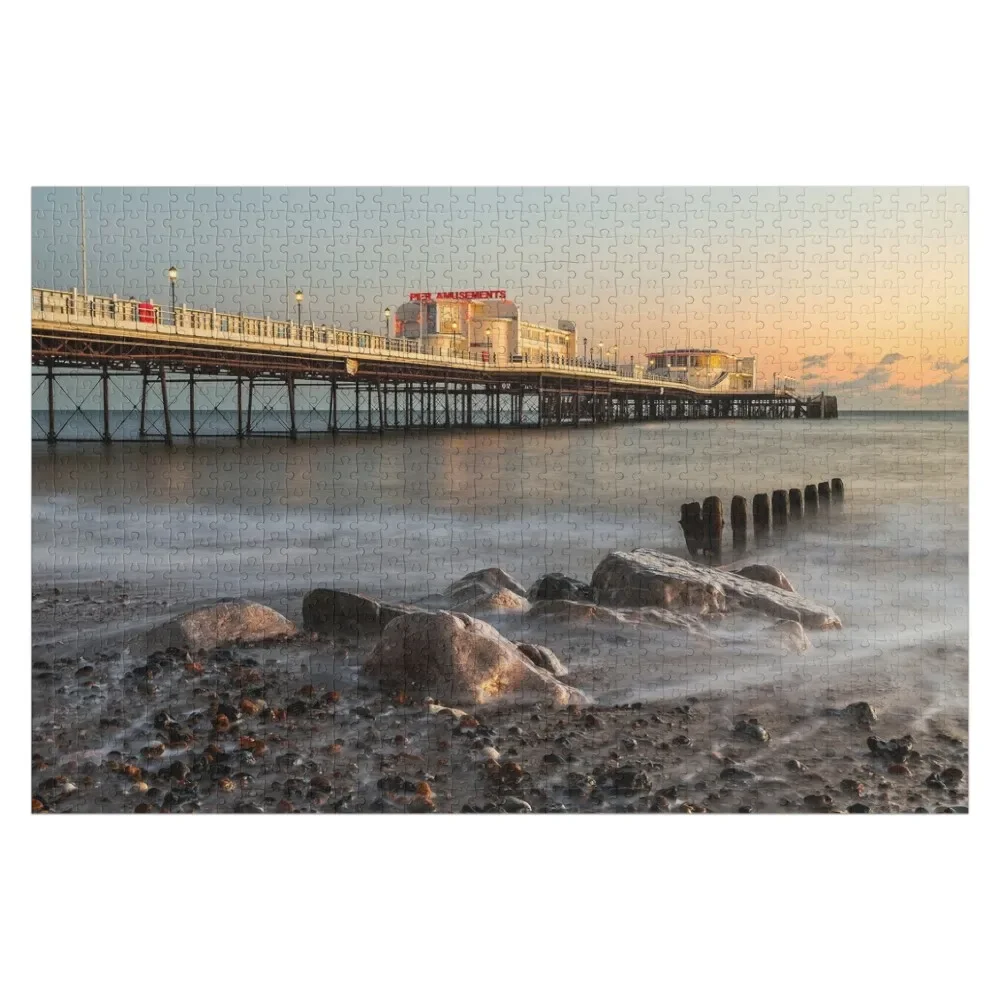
496,293
147,312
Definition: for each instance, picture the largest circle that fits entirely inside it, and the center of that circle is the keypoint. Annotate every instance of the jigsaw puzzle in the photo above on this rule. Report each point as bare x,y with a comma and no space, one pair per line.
499,500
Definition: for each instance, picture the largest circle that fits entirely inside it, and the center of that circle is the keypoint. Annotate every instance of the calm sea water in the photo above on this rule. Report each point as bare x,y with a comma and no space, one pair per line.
408,513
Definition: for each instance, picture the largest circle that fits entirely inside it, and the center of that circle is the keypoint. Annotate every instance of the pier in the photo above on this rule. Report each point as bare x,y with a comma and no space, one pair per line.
387,383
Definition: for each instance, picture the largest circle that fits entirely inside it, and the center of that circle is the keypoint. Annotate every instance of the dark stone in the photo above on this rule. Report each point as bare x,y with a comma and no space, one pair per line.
859,807
557,587
339,611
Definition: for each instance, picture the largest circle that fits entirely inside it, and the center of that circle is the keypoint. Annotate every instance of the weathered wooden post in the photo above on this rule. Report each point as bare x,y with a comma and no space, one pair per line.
838,490
738,515
779,508
691,526
761,516
824,494
795,504
812,501
713,521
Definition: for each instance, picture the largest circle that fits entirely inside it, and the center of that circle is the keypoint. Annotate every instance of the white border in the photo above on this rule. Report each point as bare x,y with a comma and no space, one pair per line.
851,93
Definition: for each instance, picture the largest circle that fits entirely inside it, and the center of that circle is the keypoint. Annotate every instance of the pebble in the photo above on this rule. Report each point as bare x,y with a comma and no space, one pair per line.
753,730
794,765
513,805
900,769
859,807
592,721
851,786
736,774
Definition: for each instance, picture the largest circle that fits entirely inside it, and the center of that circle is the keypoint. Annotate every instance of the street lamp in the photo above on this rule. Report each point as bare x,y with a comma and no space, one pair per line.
387,314
584,348
601,346
298,300
172,275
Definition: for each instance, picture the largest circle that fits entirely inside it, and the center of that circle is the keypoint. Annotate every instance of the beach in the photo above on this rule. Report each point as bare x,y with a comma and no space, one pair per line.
128,537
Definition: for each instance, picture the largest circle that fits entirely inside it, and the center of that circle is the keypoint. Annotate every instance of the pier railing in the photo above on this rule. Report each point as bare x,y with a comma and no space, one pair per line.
184,323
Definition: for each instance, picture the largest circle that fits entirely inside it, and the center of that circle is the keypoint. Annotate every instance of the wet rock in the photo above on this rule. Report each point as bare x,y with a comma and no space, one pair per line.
483,581
226,623
788,636
794,765
952,775
900,770
736,774
459,660
752,730
859,711
513,805
630,780
557,587
544,658
496,600
763,573
645,577
574,612
851,787
897,749
335,612
591,721
859,807
818,803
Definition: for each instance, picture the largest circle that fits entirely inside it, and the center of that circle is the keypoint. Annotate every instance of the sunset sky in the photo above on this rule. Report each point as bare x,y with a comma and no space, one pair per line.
858,291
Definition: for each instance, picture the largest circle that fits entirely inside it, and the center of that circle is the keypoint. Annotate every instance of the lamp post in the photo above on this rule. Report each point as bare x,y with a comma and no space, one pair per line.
584,348
172,275
298,302
387,314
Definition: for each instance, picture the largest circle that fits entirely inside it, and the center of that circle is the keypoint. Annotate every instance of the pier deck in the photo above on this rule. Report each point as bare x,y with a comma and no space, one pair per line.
108,339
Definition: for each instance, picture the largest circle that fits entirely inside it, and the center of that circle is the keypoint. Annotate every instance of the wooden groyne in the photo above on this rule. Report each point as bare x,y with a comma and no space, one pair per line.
703,523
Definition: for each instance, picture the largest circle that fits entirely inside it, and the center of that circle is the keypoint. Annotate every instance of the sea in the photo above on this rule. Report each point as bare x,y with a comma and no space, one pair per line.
404,514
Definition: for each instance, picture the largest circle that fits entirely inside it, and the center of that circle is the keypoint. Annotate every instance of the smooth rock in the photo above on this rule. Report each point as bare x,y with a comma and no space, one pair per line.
486,580
788,636
763,573
341,611
227,623
497,600
645,577
459,660
544,658
558,587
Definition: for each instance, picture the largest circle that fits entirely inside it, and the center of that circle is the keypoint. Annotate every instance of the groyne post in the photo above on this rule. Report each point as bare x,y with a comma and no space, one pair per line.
691,526
837,486
761,516
779,508
812,499
739,516
795,505
824,494
713,521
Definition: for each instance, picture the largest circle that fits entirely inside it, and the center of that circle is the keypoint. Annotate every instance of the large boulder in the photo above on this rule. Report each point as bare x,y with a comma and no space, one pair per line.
574,613
787,637
342,612
766,574
497,600
645,577
483,581
544,658
557,587
228,623
458,660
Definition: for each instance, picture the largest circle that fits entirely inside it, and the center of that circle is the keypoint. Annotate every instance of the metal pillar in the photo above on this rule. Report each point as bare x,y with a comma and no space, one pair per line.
106,437
191,427
239,406
166,406
249,404
381,406
291,405
331,420
52,406
142,404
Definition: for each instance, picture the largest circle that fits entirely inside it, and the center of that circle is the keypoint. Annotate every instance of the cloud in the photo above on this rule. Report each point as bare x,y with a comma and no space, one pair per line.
949,366
808,377
964,360
891,359
815,360
866,379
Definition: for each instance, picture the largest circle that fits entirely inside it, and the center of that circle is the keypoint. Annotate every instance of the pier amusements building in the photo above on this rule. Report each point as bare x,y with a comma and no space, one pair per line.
482,323
704,368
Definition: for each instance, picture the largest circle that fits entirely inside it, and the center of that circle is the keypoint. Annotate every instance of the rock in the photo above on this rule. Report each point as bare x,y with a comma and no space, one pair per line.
858,711
788,636
544,658
483,581
331,612
497,600
645,577
455,659
859,807
752,730
228,623
898,749
572,612
557,587
763,573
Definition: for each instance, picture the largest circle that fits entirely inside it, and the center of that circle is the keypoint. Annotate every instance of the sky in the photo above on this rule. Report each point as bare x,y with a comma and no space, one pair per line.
861,292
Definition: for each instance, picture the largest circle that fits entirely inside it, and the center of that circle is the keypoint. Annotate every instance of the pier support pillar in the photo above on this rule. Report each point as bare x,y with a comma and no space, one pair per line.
142,403
106,436
249,404
191,427
52,405
168,436
239,407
